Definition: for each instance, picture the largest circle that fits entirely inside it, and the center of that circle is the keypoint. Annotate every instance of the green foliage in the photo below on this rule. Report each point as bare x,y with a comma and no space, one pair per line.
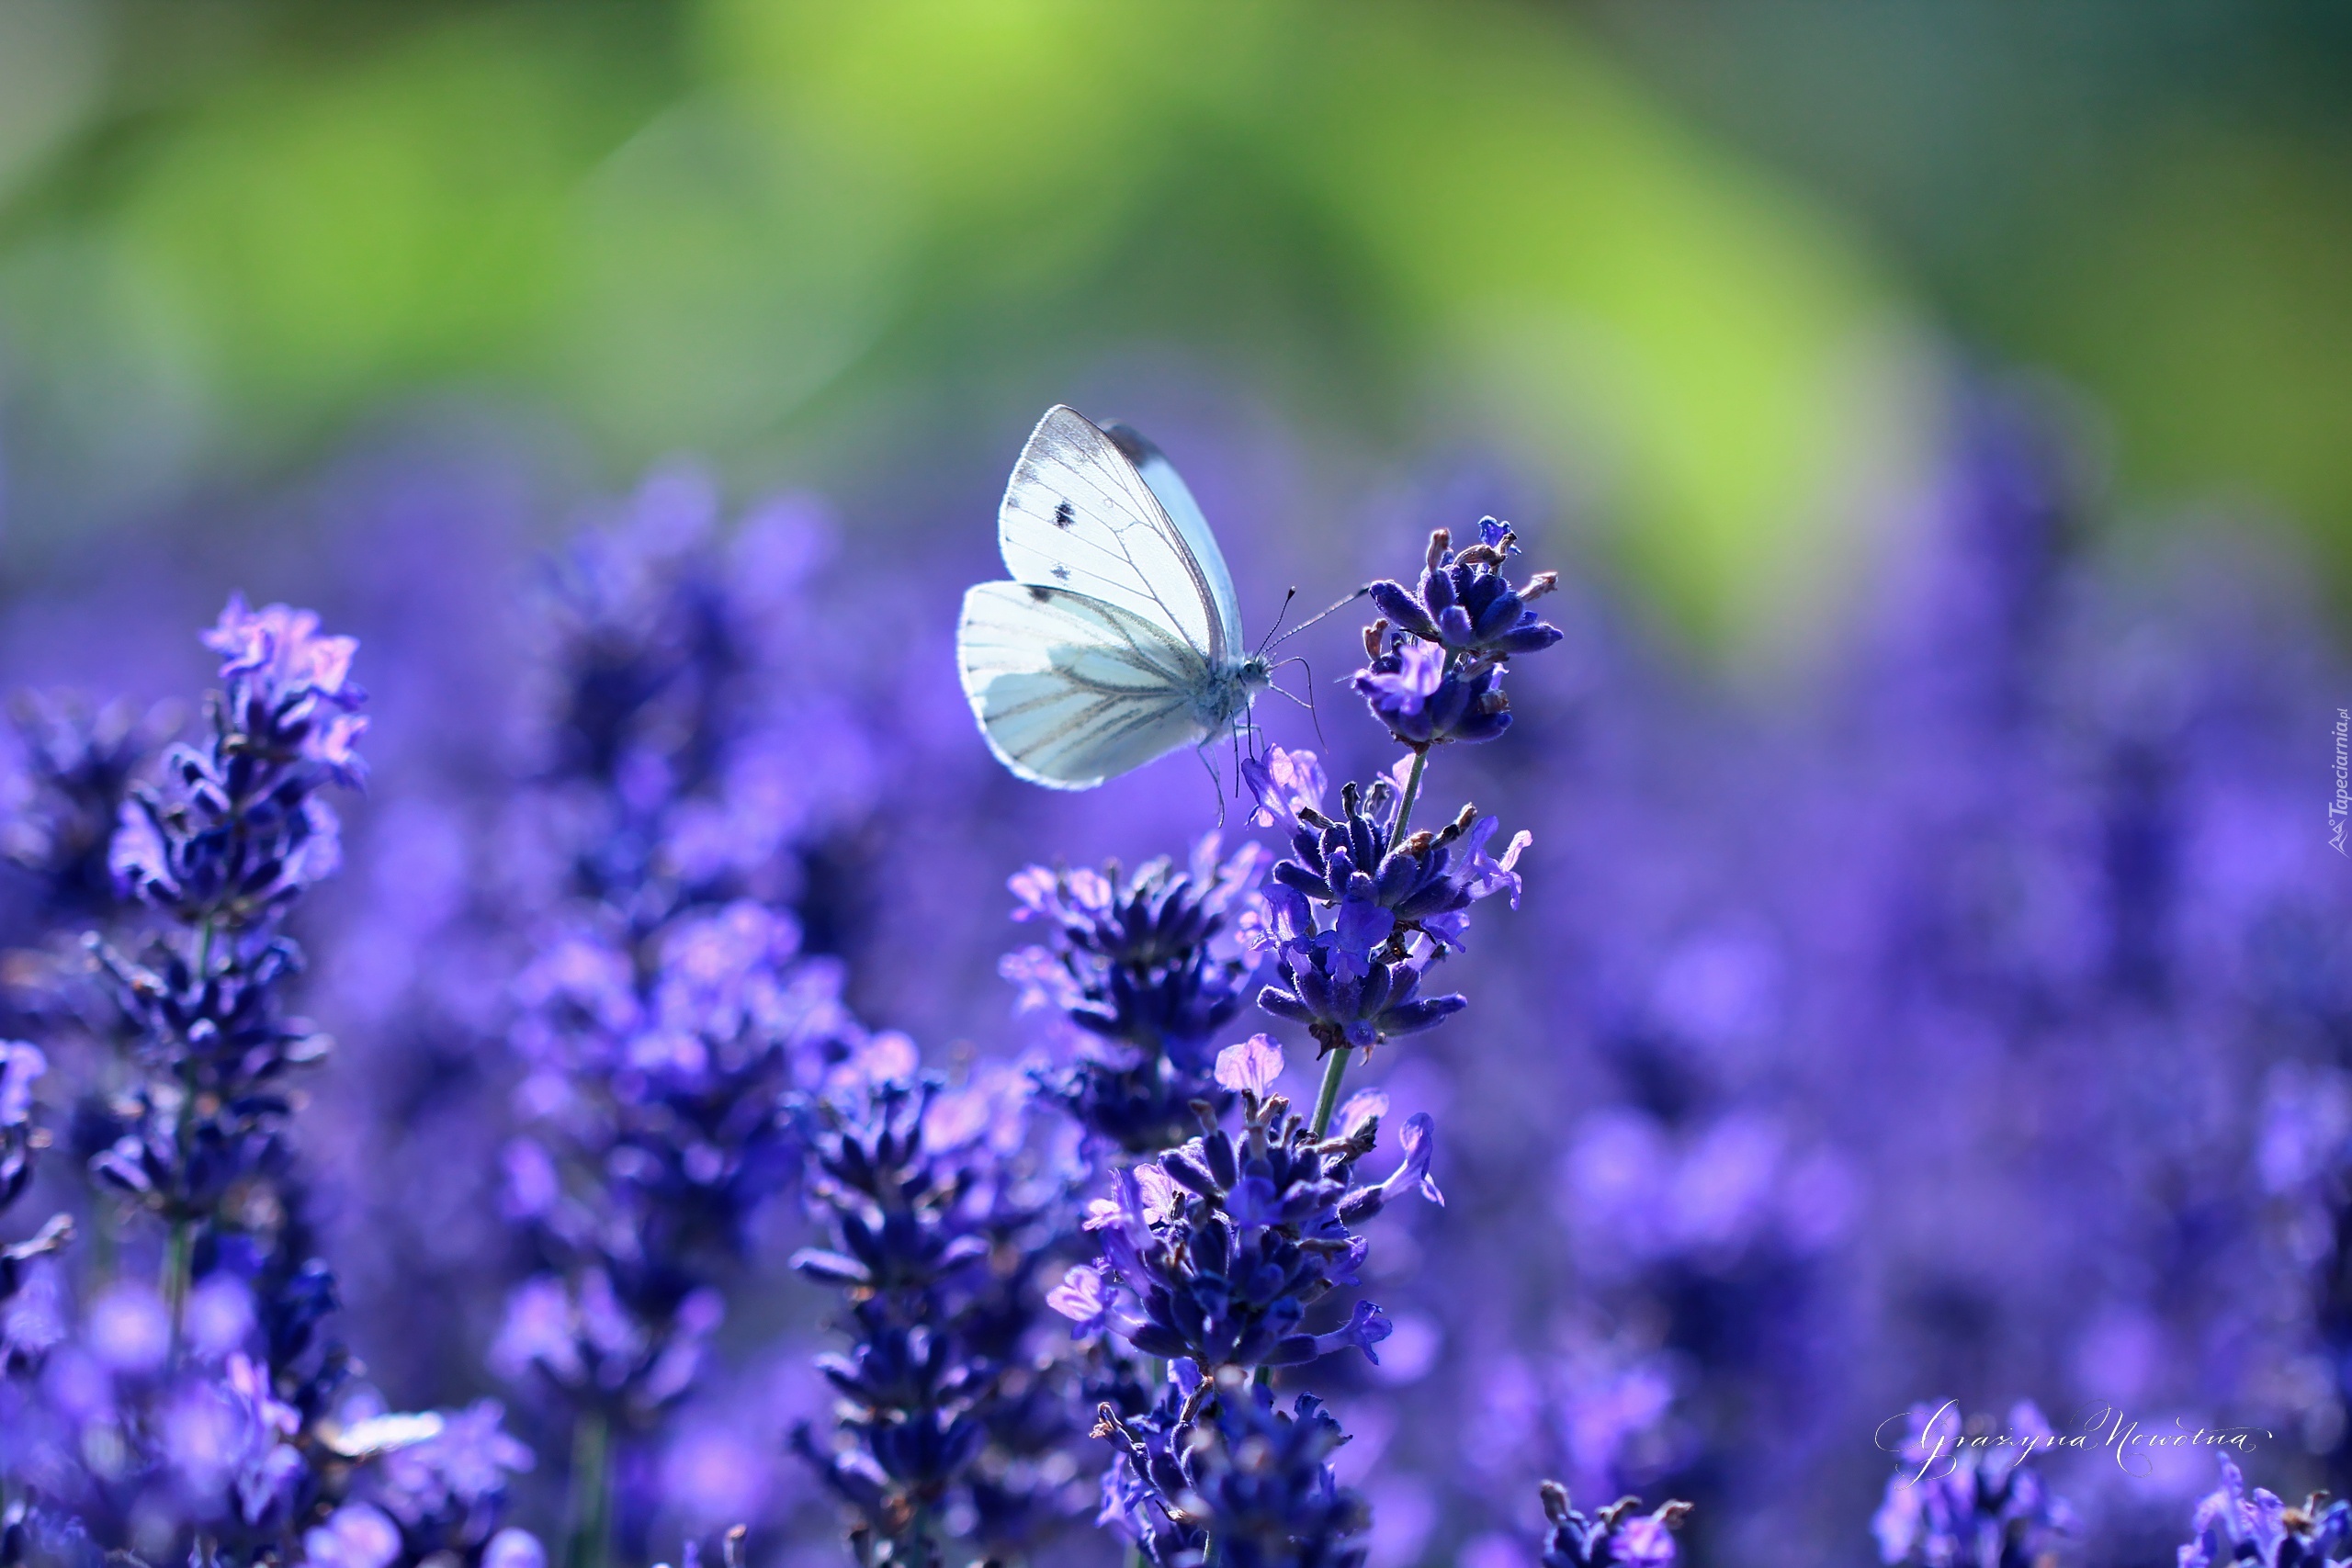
763,229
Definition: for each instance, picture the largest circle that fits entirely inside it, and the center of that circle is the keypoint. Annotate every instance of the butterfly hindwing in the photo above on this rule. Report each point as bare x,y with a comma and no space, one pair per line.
1070,689
1079,516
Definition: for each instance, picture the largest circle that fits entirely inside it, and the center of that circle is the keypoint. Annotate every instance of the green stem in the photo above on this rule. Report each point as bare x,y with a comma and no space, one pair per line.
1412,793
179,1263
104,1250
179,1250
1335,1068
591,1492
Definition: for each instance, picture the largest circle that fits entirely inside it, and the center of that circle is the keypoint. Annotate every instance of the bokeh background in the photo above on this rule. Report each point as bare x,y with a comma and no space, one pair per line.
1933,978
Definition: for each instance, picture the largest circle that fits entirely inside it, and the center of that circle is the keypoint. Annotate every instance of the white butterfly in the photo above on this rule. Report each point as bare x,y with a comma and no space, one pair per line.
1117,640
381,1433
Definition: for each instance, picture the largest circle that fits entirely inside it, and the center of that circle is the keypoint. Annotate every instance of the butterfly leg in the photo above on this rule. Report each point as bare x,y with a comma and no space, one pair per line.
1217,782
1308,701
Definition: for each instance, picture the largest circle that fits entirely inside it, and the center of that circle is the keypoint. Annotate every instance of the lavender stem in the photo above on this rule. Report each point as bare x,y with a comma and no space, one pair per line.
592,1475
1412,793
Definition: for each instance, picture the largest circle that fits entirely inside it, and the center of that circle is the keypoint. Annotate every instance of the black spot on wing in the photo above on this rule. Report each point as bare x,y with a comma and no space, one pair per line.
1064,515
1042,596
1061,572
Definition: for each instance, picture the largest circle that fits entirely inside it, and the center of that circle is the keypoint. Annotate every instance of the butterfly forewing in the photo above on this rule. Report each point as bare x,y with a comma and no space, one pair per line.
1078,516
1176,498
1070,689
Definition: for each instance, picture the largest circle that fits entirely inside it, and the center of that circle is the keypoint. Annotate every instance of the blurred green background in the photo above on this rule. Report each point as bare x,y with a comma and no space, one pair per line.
1700,271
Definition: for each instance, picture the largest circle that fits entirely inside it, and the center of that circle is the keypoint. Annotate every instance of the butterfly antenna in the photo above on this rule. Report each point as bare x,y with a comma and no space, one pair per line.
1267,641
1321,614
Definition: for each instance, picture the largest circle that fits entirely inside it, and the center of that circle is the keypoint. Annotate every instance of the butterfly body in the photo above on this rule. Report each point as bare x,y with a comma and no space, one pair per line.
1117,640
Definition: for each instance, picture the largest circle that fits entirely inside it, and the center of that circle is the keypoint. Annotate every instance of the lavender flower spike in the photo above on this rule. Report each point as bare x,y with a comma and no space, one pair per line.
275,659
1465,605
1386,887
232,1428
1949,1502
235,832
1214,1252
21,1064
1148,967
1436,658
1616,1537
931,1420
1344,995
1240,1473
2233,1528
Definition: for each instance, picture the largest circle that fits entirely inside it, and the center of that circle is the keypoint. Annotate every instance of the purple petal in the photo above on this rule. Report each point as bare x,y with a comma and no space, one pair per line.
1080,1298
1251,1067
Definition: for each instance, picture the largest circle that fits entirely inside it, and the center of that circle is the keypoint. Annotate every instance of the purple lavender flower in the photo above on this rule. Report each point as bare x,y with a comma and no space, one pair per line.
72,771
1284,784
1381,888
1147,1473
1251,1067
236,832
690,761
1212,1255
1349,986
690,752
277,663
1360,908
1149,965
2258,1531
1465,605
930,1222
658,1134
216,1412
1214,1251
355,1535
1436,659
238,827
1959,1504
21,1062
656,1098
1619,1536
1220,1463
1413,689
234,1437
629,1347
